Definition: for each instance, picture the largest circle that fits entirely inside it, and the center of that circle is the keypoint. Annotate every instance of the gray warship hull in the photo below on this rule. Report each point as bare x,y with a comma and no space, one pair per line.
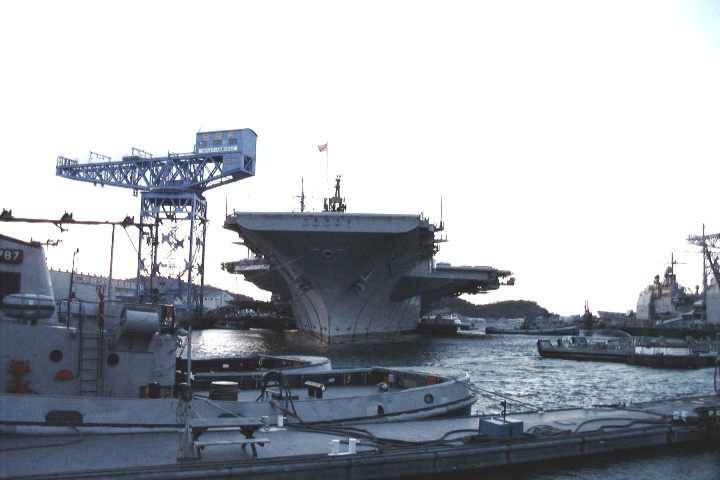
91,371
350,277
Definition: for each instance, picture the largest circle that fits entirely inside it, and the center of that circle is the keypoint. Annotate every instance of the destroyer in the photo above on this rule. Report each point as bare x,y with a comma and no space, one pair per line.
351,276
666,308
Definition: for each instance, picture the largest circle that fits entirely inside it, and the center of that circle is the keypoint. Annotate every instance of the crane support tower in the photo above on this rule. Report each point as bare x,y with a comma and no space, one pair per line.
172,203
710,244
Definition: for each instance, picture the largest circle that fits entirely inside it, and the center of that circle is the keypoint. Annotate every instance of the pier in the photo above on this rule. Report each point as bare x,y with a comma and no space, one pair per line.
383,450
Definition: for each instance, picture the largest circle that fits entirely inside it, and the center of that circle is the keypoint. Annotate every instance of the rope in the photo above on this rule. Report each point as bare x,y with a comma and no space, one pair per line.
480,391
284,389
637,410
131,241
46,445
213,404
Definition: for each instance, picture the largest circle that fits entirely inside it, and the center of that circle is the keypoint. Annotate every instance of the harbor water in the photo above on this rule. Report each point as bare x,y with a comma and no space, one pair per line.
510,365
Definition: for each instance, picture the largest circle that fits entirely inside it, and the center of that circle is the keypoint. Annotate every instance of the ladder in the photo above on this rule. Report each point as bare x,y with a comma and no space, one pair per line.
90,355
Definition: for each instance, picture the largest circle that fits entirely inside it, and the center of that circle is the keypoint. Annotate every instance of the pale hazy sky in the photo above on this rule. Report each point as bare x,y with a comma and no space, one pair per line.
575,143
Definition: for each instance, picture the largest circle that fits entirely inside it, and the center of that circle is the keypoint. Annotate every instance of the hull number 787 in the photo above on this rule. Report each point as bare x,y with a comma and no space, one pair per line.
11,255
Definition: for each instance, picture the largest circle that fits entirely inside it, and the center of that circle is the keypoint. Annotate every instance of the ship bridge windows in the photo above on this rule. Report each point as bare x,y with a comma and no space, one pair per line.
9,283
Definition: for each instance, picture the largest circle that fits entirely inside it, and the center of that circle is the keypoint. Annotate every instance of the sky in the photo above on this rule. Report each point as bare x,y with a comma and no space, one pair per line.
574,143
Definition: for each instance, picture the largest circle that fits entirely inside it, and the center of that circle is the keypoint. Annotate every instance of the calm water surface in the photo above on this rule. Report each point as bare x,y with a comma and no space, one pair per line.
511,365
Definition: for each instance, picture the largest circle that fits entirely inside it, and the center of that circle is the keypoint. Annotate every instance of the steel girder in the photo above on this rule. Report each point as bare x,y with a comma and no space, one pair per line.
187,245
182,171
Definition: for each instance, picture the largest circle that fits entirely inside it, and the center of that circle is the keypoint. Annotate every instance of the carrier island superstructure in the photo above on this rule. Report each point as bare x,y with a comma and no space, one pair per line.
351,277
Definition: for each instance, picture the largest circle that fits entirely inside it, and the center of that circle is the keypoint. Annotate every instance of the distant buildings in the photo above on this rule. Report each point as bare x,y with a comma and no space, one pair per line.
85,288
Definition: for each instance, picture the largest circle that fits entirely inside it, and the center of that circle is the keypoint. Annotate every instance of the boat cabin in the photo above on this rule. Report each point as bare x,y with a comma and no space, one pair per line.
79,352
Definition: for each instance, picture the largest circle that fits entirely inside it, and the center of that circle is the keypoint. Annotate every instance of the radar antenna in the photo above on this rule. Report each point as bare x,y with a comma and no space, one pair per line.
302,194
336,203
441,227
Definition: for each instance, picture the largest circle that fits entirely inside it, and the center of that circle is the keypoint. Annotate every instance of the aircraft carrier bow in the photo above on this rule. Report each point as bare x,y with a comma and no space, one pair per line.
351,277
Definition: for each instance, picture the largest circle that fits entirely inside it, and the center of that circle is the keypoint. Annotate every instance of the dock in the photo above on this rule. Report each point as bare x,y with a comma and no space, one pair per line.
384,450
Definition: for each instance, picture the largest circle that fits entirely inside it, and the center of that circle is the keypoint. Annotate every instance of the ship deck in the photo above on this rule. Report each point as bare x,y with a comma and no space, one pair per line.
348,391
334,222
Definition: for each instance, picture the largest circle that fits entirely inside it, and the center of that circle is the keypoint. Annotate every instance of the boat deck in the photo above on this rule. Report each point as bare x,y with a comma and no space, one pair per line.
345,391
297,452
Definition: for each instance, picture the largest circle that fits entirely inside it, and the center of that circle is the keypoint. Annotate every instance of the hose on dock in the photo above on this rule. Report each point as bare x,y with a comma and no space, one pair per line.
382,442
546,431
629,422
276,378
345,430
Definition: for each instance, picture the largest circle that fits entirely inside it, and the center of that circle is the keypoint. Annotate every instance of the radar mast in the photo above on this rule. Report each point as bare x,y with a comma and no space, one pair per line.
336,203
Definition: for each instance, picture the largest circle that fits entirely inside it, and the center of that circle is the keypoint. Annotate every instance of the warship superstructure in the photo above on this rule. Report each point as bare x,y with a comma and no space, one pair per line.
666,301
351,276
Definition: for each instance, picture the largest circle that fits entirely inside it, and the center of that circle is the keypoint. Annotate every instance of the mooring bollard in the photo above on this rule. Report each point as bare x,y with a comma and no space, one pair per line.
334,446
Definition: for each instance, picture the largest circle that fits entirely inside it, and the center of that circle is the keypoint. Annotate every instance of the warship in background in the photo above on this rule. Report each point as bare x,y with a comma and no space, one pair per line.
352,277
665,301
666,308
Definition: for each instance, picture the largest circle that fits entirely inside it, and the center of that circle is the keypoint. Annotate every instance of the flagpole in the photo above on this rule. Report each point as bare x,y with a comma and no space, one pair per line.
327,163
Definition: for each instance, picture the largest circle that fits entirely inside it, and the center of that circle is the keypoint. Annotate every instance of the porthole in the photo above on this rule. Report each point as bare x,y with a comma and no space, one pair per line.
429,398
56,356
113,359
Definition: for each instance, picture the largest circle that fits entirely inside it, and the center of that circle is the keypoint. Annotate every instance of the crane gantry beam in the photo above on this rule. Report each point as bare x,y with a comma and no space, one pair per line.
207,167
711,239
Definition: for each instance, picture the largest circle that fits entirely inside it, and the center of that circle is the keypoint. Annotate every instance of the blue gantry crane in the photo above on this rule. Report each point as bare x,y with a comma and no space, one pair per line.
171,193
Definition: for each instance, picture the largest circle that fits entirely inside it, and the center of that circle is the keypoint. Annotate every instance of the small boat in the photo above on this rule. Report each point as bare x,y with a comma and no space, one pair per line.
440,324
468,324
569,330
651,352
84,370
542,325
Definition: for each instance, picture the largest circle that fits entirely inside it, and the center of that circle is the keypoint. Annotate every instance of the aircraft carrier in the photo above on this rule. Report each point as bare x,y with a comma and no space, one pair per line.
351,277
